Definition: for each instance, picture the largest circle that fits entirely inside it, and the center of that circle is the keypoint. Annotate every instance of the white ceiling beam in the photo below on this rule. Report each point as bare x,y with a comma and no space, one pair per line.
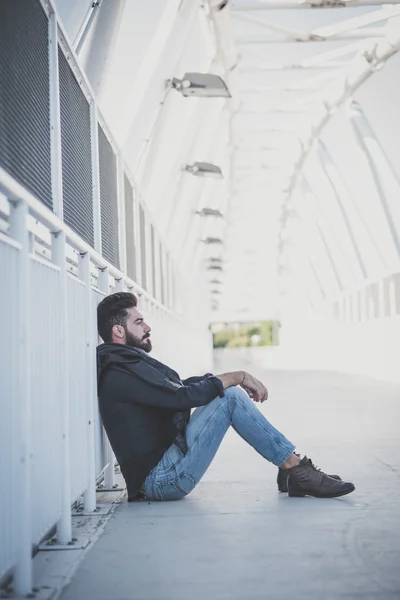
336,30
286,131
320,60
325,55
336,53
313,83
294,67
307,4
374,61
295,34
265,90
272,110
356,34
370,18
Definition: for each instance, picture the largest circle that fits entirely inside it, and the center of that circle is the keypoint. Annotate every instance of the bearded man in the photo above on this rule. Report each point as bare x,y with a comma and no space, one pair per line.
164,450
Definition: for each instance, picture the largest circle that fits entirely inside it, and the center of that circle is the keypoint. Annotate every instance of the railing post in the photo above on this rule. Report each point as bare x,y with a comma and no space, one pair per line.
90,493
109,475
23,568
119,285
64,525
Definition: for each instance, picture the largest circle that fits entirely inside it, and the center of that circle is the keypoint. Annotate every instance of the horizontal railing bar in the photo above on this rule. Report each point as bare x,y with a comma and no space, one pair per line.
15,192
5,239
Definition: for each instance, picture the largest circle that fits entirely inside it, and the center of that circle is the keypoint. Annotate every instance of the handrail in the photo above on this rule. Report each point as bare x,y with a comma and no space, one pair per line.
15,192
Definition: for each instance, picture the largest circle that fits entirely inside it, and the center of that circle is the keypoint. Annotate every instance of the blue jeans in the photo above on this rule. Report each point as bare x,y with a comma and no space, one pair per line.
177,473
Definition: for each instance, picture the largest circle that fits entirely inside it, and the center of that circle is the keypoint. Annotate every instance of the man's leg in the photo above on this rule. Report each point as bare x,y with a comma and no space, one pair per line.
177,474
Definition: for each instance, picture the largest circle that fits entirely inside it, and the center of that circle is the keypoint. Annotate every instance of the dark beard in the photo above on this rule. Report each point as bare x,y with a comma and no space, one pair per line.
143,344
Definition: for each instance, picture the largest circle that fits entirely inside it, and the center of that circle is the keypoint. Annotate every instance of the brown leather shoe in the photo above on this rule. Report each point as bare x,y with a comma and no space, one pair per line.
307,480
281,479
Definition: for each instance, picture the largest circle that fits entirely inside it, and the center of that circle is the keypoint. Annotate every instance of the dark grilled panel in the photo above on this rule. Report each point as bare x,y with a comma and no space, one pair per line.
24,96
76,153
129,230
108,200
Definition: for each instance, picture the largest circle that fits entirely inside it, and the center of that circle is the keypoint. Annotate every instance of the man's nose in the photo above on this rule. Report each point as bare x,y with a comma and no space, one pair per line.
147,329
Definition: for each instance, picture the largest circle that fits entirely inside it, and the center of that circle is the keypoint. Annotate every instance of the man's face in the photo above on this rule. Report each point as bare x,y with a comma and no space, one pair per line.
135,333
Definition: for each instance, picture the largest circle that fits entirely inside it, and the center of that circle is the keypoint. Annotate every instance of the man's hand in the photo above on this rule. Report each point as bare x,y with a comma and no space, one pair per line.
254,387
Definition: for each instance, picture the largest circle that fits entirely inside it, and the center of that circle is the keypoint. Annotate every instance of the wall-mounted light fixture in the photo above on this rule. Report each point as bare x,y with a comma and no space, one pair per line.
200,85
221,5
214,263
204,169
209,212
212,240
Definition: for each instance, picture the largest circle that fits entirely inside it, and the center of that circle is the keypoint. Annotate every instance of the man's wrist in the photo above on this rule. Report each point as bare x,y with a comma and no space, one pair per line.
232,379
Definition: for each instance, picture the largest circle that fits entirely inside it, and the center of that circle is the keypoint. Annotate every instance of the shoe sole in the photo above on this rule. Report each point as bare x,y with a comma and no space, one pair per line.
299,494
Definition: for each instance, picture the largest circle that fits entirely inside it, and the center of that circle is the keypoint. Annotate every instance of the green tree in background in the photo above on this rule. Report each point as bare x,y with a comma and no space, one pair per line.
242,335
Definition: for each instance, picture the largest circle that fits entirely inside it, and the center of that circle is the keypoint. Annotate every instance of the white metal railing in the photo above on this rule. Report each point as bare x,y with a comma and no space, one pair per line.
52,444
51,438
357,333
58,38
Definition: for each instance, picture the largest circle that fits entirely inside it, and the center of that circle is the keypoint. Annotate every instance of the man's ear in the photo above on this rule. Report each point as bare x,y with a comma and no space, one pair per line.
118,331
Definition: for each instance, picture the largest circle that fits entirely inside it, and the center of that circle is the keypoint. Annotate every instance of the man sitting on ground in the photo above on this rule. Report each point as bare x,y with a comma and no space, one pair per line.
162,449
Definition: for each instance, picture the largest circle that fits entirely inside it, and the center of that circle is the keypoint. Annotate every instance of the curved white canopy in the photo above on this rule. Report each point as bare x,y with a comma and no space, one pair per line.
297,61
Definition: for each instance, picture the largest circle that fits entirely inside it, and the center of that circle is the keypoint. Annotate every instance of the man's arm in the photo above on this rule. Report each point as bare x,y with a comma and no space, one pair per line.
196,378
255,388
231,379
131,387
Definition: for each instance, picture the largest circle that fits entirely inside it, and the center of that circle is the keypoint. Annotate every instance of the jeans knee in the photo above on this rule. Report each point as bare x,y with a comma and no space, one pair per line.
235,395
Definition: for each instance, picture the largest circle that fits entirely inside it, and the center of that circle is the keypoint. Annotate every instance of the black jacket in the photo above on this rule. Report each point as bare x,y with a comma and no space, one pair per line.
145,407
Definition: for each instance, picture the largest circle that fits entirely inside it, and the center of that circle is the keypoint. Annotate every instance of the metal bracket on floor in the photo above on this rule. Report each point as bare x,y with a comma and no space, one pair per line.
99,511
115,488
77,543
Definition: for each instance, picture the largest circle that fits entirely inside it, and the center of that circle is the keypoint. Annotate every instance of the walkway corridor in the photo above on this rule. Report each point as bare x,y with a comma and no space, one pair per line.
236,538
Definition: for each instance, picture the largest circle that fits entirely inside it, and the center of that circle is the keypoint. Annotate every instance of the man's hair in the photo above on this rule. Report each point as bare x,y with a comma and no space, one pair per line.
112,311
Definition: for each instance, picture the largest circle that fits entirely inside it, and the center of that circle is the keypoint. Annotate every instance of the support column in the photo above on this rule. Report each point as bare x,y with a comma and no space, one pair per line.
58,241
320,233
64,525
23,533
90,493
325,160
109,475
362,130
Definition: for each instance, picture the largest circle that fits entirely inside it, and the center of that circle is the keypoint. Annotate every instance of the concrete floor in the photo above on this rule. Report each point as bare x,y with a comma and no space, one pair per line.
235,537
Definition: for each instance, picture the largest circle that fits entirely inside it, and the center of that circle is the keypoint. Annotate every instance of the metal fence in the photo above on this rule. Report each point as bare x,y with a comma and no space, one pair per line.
68,160
69,233
52,443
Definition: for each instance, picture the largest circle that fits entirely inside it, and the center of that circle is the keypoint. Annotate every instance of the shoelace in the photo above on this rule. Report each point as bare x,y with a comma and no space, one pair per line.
316,469
314,466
